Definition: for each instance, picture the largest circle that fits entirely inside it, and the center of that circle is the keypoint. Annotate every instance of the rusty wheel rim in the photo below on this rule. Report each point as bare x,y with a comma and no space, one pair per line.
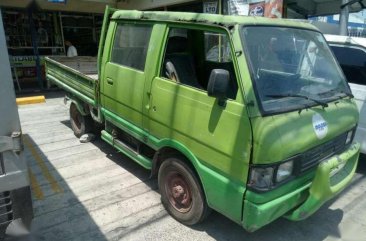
76,118
179,192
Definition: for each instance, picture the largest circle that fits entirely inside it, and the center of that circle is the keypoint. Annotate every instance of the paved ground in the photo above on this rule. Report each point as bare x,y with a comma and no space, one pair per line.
91,192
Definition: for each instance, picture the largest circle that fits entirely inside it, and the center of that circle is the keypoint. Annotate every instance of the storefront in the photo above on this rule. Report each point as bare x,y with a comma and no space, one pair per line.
32,34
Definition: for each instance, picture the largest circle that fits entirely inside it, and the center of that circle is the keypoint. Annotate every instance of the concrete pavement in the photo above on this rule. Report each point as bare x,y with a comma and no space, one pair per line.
92,192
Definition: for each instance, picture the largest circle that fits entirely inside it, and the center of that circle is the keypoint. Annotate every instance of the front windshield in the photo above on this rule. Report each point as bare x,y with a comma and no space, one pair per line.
292,68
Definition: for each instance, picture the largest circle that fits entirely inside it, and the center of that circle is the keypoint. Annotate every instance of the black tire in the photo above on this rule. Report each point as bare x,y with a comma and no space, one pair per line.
97,128
181,192
80,124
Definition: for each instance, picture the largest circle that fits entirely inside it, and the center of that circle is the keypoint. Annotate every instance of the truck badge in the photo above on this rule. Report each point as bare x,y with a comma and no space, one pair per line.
320,126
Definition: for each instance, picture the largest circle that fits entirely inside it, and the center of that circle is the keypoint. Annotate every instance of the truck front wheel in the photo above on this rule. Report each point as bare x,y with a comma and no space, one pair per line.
181,192
80,124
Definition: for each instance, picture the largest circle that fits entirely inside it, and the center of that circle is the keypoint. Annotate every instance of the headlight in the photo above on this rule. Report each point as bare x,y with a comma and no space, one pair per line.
349,137
261,178
284,171
264,178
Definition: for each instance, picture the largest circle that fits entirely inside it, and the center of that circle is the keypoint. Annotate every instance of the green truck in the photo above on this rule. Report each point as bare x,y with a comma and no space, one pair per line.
251,117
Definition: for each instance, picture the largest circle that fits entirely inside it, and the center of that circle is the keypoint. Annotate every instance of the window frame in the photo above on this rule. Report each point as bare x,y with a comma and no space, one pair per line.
205,53
112,42
203,28
262,111
349,46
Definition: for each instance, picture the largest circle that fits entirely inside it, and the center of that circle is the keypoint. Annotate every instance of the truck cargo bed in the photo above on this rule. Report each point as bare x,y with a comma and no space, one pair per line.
77,75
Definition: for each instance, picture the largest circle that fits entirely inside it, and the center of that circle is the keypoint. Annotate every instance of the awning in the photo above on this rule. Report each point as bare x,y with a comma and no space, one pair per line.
302,7
320,7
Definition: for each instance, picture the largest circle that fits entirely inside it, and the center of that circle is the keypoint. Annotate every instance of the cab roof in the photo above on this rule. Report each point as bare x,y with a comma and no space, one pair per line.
204,18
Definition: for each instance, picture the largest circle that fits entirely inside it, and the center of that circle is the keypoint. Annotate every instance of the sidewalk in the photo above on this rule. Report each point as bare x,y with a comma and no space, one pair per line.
91,192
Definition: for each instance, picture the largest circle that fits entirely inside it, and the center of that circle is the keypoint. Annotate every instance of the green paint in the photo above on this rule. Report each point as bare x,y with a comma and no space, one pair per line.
221,143
73,91
144,162
79,85
310,196
321,189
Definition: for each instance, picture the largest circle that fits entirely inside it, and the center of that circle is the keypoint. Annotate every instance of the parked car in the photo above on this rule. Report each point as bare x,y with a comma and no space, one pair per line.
351,55
249,116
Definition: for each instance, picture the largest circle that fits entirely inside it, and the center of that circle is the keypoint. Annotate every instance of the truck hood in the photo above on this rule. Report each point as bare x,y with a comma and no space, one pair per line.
281,136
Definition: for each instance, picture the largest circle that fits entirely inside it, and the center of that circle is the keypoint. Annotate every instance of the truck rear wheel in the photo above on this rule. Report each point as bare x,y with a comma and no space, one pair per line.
181,192
80,124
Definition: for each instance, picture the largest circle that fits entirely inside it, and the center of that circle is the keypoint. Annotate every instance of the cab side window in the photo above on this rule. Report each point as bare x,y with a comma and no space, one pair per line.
191,55
130,45
217,48
218,56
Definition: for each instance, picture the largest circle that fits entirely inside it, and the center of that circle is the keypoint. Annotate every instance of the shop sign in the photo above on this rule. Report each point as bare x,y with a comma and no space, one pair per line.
24,61
256,9
267,8
210,7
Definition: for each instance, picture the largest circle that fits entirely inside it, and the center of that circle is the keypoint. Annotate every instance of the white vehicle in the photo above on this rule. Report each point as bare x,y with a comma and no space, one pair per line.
351,55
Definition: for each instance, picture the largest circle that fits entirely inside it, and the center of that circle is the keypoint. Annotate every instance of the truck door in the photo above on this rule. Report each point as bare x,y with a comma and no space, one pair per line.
15,195
123,77
180,110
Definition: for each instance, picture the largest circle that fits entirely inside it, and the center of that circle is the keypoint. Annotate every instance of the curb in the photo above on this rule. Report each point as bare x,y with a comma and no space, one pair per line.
30,100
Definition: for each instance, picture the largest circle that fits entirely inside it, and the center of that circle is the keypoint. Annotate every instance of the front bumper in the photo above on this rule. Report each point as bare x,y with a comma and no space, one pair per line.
302,202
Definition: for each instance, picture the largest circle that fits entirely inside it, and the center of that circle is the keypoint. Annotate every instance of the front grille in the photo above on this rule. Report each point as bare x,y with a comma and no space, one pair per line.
314,156
6,212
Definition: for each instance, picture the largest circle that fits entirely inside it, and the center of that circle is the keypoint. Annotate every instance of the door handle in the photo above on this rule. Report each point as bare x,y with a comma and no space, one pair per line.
109,81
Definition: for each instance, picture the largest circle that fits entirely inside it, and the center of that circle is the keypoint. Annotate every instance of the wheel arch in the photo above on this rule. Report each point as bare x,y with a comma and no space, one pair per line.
80,105
213,183
168,147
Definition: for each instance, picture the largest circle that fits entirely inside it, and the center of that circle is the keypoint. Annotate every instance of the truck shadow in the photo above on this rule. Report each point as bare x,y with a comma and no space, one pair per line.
121,160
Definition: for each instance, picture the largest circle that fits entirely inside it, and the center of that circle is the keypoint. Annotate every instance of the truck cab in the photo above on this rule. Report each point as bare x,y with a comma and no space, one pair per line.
248,116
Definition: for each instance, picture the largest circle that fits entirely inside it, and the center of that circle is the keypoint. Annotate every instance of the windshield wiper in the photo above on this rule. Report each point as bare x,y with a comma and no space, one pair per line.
277,96
350,95
340,91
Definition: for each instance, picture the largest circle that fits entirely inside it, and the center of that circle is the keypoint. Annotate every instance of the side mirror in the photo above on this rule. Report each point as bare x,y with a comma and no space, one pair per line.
218,85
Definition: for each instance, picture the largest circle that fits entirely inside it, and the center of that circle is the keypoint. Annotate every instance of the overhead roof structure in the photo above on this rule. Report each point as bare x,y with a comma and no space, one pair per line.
90,6
321,7
302,7
97,6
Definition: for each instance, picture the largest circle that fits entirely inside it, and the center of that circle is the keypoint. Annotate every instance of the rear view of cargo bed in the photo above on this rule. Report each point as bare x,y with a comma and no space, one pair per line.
76,75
